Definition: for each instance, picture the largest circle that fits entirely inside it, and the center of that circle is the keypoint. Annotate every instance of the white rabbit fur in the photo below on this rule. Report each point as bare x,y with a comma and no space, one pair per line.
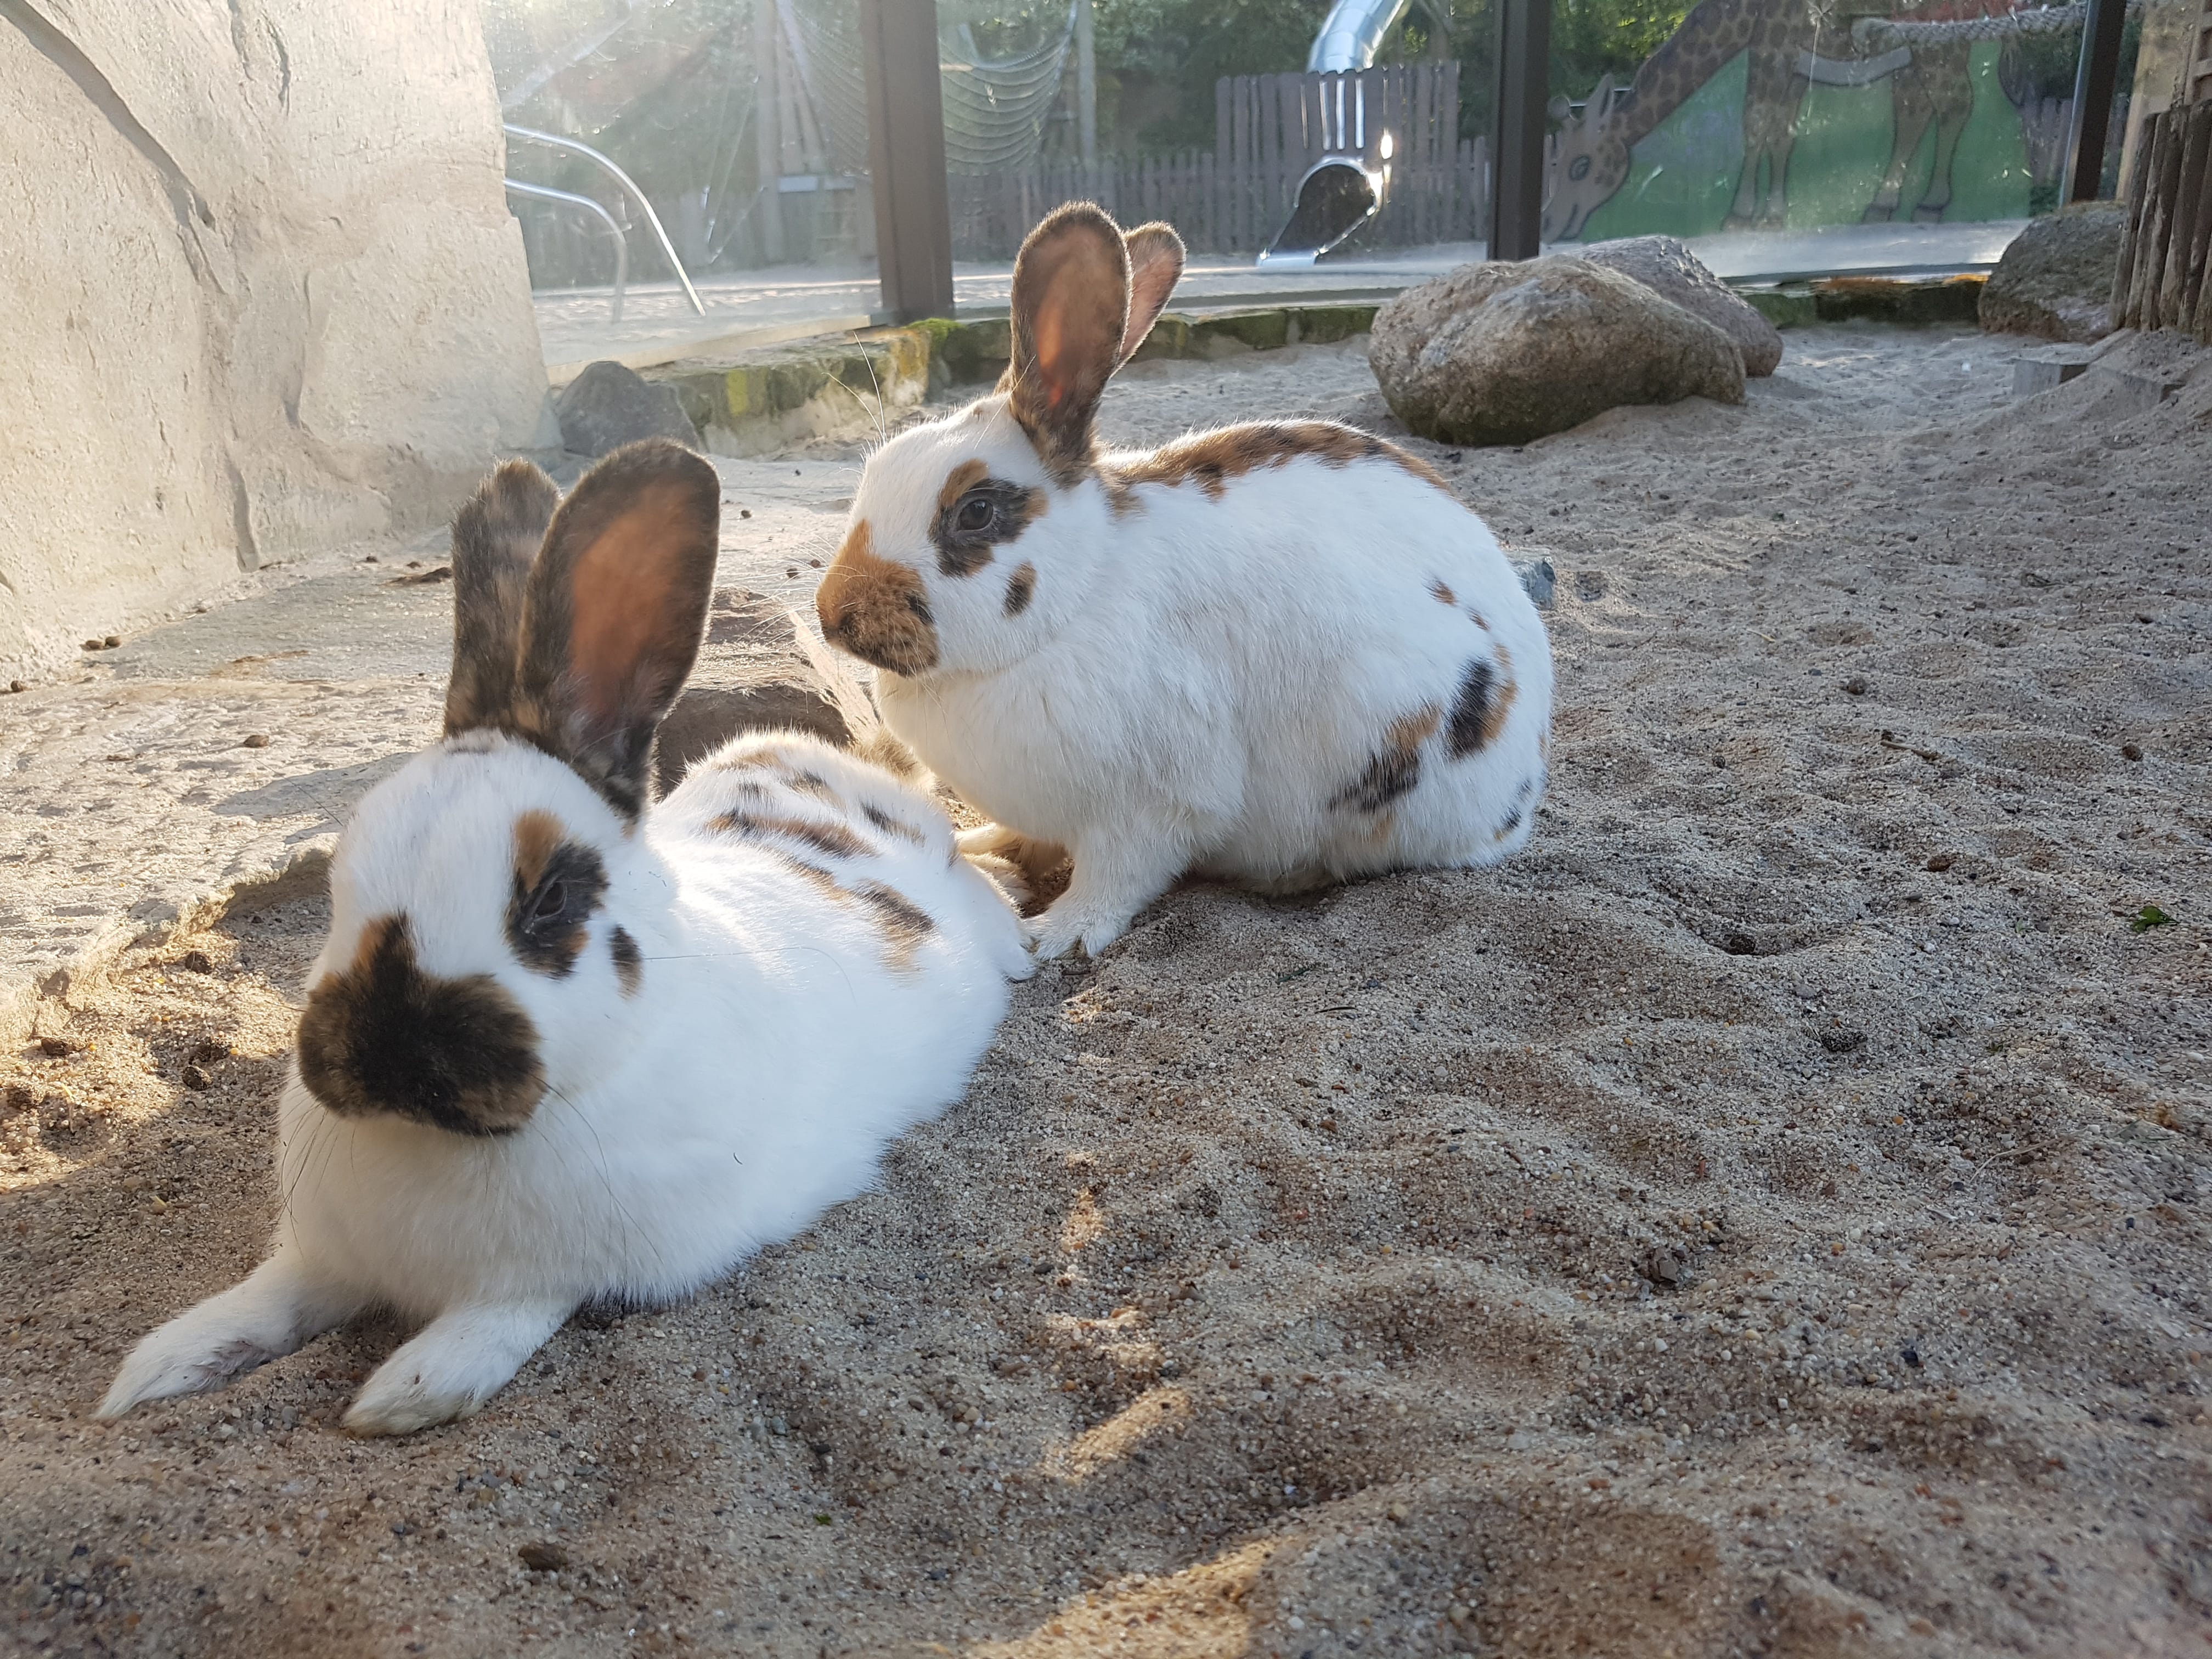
810,968
1248,654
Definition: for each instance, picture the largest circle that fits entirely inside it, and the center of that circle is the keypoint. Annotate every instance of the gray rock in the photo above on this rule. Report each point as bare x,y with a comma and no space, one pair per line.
1666,266
609,405
2055,279
1501,353
760,669
1540,580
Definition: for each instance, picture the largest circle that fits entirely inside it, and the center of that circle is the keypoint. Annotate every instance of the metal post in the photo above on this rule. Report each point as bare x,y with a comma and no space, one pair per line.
768,131
538,192
1086,84
629,185
1524,54
906,157
2094,80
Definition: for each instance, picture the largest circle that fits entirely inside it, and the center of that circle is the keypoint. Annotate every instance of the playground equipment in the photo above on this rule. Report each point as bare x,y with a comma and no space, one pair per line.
1347,186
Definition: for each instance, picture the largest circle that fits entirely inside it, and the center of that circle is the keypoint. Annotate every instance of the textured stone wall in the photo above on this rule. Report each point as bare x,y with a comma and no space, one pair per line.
264,294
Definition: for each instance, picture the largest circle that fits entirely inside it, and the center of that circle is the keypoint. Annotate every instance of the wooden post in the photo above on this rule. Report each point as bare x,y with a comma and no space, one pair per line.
1524,54
906,155
2178,296
2093,80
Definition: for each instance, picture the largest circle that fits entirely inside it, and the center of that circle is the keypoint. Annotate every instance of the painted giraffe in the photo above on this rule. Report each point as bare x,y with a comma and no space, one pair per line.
1782,39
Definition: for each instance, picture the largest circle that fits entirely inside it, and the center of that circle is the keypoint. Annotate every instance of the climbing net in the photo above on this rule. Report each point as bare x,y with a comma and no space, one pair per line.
995,108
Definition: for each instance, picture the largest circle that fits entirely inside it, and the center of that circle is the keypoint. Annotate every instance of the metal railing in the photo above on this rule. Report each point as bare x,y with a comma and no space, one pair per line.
628,184
539,192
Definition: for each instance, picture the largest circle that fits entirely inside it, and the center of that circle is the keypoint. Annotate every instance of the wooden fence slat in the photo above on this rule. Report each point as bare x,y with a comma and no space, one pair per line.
2177,299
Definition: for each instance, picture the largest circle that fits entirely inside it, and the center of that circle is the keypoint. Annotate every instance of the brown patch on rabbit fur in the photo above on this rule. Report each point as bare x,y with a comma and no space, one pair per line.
1395,768
831,840
876,608
1212,458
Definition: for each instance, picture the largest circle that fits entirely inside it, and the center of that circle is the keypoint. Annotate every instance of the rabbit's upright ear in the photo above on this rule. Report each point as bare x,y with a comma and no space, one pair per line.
495,538
1155,266
1071,305
614,610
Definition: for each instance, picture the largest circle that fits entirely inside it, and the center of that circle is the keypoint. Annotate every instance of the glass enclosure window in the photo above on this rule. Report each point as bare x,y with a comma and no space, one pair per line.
1790,137
1348,145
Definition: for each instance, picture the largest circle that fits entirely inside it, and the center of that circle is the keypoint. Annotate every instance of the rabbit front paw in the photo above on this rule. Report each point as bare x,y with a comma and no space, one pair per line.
451,1367
267,1314
1062,928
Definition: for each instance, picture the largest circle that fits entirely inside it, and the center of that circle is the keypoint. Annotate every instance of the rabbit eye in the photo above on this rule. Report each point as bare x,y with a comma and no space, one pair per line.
552,899
976,513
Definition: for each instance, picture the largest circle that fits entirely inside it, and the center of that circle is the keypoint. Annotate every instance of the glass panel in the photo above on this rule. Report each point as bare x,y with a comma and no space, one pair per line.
1781,138
1367,171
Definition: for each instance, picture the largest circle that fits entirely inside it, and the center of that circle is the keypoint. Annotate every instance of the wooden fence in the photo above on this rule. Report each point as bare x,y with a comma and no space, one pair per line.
2165,254
1269,129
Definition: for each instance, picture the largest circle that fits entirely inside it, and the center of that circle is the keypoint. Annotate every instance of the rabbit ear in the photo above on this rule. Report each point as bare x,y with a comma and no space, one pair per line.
1071,304
614,610
1155,266
495,537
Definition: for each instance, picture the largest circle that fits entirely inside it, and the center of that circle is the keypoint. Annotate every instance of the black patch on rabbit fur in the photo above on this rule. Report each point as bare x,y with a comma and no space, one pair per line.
383,1038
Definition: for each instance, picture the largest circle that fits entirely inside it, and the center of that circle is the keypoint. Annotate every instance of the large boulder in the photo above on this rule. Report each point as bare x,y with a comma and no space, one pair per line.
1666,266
1504,353
2055,280
609,405
760,668
264,294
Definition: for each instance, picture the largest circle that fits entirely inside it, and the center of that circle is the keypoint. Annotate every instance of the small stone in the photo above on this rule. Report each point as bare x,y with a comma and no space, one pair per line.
1398,1512
610,405
17,685
196,962
1838,1041
543,1556
1939,863
1662,1270
1538,580
196,1077
56,1047
92,645
112,641
1857,685
2131,752
208,1050
255,740
745,513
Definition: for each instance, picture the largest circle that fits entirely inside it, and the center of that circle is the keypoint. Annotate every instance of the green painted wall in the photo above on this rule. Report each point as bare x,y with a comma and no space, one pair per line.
1682,178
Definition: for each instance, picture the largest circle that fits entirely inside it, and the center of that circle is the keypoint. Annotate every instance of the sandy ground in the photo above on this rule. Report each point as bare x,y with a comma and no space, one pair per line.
1767,1218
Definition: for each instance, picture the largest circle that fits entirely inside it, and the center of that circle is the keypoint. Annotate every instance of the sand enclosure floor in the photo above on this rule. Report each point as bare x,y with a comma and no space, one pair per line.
1768,1216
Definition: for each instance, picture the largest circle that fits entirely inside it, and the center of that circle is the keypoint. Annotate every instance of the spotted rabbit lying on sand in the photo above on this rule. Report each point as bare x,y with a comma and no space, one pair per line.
1281,654
563,1046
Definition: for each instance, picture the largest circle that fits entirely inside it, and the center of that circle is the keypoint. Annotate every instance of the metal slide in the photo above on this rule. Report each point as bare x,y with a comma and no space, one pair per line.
1343,190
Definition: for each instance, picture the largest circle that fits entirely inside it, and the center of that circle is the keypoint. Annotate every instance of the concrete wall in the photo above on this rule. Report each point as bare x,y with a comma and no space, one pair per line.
263,294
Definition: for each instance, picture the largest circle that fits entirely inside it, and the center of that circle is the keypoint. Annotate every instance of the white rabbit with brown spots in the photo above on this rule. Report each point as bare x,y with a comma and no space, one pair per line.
565,1046
1281,654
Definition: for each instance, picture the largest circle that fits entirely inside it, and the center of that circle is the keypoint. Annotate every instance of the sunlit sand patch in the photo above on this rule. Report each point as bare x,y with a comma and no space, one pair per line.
1197,1614
1085,1224
1156,1412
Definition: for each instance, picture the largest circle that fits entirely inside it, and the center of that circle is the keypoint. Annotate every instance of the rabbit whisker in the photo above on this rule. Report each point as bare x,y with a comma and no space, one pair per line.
606,1179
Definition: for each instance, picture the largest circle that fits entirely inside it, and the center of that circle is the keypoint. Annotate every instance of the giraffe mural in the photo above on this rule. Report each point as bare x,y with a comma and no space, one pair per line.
1783,43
